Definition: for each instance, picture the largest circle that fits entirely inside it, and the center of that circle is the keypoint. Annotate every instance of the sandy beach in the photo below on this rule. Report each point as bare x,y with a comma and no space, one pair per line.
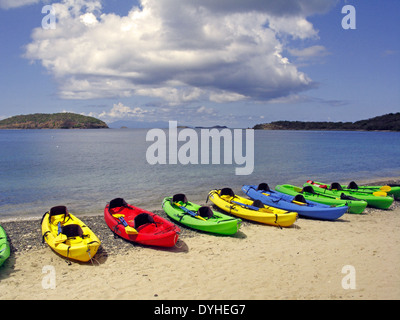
305,261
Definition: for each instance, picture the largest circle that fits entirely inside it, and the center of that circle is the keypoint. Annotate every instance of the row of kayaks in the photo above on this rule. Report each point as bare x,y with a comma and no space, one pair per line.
321,201
314,200
70,237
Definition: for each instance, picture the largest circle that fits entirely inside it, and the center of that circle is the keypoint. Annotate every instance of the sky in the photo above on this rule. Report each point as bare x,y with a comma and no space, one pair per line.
201,62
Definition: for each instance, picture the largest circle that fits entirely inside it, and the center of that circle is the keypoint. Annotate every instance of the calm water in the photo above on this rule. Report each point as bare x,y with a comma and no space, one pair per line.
84,169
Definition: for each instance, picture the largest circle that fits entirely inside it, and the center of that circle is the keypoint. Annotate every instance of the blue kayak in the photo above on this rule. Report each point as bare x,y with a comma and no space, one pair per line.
305,208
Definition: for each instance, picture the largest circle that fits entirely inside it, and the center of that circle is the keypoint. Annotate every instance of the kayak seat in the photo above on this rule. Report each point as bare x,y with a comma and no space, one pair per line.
179,197
227,192
352,185
56,211
299,198
335,186
117,202
142,219
308,189
258,204
263,187
205,212
72,230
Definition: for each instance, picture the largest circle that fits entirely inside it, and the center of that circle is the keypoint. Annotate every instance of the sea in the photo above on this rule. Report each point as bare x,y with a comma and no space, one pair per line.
85,169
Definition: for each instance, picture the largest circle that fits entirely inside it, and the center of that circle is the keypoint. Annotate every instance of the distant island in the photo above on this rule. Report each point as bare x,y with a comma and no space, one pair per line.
213,127
387,122
64,120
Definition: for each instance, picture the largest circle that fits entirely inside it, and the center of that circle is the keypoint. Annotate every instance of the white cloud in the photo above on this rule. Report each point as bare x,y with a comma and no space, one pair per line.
11,4
205,110
120,111
88,19
309,52
225,96
185,115
176,50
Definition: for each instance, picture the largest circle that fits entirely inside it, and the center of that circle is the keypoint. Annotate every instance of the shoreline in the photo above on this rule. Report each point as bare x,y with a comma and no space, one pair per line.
193,197
260,262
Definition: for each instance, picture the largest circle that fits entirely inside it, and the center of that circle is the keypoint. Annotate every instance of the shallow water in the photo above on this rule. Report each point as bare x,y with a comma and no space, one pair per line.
85,169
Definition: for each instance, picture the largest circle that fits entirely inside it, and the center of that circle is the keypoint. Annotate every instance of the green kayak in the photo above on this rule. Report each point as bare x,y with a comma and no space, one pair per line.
378,199
4,246
197,217
391,189
309,193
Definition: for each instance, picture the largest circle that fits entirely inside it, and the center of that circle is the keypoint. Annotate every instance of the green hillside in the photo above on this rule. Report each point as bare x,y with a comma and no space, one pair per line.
388,122
64,120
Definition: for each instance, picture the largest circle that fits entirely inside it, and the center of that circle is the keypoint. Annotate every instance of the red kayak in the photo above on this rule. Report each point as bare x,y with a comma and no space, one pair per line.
138,225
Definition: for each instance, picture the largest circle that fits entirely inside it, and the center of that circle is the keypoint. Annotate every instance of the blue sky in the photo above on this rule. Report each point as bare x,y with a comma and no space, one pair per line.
201,62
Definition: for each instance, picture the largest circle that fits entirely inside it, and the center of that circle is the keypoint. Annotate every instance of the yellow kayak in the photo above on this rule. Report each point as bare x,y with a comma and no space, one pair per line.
68,236
226,200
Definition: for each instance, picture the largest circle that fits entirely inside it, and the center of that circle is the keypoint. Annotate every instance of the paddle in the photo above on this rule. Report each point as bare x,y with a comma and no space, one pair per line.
376,193
293,201
385,188
319,194
128,228
379,194
252,207
193,214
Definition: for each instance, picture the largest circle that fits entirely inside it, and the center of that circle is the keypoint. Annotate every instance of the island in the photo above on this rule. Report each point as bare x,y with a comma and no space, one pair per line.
213,127
387,122
63,120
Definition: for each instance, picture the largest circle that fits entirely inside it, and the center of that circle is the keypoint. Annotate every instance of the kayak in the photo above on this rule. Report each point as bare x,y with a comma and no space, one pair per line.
354,205
198,217
4,246
378,199
391,189
138,225
68,236
226,200
305,208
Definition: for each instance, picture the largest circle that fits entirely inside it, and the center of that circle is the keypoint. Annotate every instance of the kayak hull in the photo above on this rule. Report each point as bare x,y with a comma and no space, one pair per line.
219,223
75,247
354,206
155,231
266,215
5,249
310,209
381,202
392,190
